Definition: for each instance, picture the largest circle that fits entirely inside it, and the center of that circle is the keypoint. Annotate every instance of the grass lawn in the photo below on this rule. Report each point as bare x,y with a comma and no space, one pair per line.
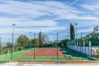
16,55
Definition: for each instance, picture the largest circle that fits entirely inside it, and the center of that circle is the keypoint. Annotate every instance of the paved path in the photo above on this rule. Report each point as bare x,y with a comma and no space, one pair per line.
59,65
9,64
27,64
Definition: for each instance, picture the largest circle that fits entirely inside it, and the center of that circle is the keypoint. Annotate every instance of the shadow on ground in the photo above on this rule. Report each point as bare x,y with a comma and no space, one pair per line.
74,55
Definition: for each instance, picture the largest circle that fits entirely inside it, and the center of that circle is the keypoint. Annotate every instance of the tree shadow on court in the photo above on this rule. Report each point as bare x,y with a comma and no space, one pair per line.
74,55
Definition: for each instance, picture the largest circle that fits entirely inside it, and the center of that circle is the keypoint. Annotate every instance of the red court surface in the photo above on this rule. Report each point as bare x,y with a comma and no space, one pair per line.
45,52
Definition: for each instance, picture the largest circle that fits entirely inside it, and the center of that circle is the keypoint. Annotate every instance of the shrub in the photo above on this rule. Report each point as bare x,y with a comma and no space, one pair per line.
97,51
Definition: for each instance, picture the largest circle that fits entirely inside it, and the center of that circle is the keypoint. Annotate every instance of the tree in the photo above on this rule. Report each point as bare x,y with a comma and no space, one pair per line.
94,40
8,47
42,38
63,43
33,42
22,41
72,32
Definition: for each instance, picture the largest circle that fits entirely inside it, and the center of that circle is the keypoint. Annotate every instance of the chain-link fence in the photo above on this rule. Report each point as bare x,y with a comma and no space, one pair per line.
46,47
33,47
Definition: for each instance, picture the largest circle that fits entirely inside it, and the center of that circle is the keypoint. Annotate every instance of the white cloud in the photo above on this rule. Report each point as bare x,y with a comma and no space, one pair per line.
27,14
91,6
20,22
37,9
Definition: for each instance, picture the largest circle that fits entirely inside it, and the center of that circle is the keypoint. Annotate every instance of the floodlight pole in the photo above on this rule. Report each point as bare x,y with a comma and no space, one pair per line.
76,30
82,46
34,46
76,35
9,40
90,48
0,45
57,45
12,41
30,39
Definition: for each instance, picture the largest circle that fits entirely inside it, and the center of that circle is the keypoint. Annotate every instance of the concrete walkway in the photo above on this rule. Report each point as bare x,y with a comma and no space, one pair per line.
9,64
27,64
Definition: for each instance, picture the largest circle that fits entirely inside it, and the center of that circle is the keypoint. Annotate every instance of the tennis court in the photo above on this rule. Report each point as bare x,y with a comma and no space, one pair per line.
45,52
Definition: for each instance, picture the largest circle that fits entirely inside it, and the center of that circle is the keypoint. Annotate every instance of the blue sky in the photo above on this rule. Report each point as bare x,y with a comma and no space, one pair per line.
48,16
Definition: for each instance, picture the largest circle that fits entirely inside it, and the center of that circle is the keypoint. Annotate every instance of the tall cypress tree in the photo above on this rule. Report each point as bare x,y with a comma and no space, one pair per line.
72,32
